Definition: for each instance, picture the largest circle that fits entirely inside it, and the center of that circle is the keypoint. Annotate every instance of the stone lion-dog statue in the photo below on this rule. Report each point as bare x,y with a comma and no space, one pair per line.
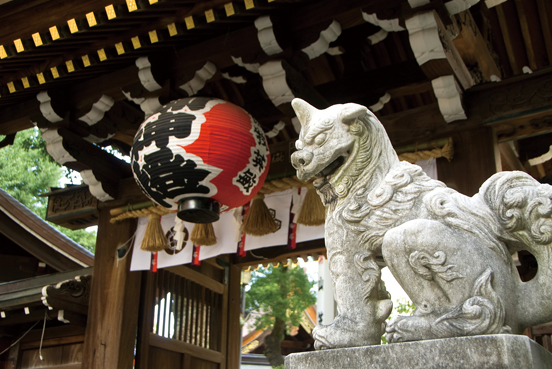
452,254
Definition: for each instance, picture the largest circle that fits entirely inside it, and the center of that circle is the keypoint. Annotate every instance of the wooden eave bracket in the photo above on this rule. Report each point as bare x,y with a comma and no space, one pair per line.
322,44
70,295
266,36
439,59
449,97
201,76
282,83
99,169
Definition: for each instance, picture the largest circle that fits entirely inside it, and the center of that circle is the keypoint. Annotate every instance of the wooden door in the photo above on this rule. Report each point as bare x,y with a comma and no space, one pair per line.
185,313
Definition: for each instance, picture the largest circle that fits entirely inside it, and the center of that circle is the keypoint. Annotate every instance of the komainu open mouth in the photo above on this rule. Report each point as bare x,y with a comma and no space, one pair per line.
332,168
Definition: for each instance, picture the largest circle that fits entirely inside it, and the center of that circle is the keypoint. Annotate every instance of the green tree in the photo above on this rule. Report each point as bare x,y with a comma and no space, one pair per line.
281,294
27,171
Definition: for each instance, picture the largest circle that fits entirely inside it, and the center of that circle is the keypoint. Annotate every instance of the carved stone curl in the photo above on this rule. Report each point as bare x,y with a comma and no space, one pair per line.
450,253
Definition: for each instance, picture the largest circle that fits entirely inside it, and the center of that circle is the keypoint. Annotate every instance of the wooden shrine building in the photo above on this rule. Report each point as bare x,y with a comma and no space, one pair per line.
43,276
88,72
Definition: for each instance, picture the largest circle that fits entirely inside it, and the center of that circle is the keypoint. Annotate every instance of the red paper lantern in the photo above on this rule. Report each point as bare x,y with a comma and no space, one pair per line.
201,156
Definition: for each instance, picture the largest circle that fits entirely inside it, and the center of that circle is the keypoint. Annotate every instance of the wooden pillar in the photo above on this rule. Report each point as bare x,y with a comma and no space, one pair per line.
234,310
475,160
114,300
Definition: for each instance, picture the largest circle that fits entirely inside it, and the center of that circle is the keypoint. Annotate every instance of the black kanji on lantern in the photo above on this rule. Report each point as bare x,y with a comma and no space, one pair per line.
169,183
259,136
247,180
159,129
259,160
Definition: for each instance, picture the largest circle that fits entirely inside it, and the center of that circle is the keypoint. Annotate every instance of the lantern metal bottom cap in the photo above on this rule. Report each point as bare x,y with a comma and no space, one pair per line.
198,210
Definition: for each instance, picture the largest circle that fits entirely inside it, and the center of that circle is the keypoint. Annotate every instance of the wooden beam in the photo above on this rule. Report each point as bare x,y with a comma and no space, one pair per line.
89,156
62,332
523,125
473,48
281,253
197,277
354,88
545,14
509,160
531,31
513,38
115,291
474,153
185,348
520,95
37,314
434,49
517,107
52,341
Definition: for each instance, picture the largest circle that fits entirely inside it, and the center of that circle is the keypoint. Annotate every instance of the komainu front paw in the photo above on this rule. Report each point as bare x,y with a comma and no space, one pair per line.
410,328
345,332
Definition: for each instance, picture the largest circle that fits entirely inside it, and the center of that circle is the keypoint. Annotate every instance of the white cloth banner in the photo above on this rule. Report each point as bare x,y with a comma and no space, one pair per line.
227,231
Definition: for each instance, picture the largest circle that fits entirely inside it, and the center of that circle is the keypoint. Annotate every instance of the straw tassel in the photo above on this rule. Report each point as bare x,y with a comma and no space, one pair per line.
154,238
203,234
312,212
259,220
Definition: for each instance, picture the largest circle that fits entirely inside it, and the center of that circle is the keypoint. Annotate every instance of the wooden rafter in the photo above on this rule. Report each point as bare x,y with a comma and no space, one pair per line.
529,21
473,48
513,38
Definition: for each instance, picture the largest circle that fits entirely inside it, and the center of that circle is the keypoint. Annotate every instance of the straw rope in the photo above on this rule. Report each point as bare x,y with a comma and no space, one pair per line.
146,212
446,151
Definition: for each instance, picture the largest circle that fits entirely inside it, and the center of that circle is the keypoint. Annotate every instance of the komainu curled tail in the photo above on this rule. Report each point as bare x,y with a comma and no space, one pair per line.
524,210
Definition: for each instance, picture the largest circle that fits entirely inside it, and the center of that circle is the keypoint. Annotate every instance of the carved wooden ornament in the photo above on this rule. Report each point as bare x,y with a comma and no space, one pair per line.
274,82
266,36
146,76
54,146
46,107
449,97
321,45
98,110
252,67
381,102
94,185
388,25
201,77
424,38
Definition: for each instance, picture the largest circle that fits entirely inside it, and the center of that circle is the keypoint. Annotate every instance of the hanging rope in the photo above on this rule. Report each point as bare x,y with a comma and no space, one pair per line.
146,212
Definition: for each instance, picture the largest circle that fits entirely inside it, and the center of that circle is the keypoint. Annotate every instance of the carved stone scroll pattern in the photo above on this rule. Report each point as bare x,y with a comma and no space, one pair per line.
481,314
428,266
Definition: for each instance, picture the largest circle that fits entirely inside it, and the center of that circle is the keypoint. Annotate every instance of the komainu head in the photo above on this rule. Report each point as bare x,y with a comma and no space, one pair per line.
340,144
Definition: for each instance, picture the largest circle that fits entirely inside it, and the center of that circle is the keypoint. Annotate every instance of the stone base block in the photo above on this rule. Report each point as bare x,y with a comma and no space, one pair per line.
502,351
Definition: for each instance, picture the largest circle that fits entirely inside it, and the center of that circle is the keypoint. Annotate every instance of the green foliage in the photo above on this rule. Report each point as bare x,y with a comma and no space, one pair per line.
279,292
404,307
27,171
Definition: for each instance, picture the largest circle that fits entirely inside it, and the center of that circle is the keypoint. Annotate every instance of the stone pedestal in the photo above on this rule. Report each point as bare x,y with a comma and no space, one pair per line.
493,351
